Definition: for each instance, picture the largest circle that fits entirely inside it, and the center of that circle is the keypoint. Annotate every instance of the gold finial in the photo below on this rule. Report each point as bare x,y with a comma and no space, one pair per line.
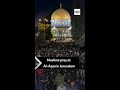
60,5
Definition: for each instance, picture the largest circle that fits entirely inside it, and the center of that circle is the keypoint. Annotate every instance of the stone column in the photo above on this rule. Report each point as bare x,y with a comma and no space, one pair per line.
66,33
57,35
63,35
70,32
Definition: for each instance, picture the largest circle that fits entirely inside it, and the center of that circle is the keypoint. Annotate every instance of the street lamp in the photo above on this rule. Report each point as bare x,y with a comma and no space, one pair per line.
39,20
45,20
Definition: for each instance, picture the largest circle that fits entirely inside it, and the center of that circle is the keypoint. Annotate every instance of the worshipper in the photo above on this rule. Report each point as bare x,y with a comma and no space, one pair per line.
78,77
44,81
68,78
38,85
82,85
59,79
51,80
82,73
73,86
61,87
39,73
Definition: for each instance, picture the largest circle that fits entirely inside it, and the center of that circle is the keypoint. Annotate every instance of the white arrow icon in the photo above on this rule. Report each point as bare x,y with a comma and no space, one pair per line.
39,62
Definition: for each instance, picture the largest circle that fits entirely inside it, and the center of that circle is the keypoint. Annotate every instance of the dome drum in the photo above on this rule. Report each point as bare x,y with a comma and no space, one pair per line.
61,23
60,14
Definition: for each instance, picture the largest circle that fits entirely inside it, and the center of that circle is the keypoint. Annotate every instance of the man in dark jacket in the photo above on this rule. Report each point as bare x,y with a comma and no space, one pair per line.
73,86
82,85
78,77
59,78
38,85
68,78
43,81
51,80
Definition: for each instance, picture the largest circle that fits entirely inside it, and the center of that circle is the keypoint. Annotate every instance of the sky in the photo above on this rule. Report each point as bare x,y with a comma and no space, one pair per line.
45,7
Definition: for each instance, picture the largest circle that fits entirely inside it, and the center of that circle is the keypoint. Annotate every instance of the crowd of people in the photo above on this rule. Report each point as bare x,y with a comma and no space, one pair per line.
61,79
59,50
62,50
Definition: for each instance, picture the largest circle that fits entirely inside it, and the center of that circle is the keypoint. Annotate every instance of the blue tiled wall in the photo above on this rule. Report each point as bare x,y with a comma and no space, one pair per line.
60,23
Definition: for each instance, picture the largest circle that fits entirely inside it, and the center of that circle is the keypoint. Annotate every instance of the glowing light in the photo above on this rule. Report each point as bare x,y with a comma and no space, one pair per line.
70,28
65,35
54,28
46,20
39,20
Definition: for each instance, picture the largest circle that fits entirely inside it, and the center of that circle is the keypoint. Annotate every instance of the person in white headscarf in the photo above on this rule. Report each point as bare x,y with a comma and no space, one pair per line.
61,87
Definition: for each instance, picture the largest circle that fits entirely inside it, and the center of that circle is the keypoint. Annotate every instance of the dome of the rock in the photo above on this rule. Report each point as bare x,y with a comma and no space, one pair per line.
60,14
61,23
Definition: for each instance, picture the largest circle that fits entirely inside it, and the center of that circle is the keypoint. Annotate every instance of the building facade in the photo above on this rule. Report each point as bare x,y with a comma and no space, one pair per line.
61,24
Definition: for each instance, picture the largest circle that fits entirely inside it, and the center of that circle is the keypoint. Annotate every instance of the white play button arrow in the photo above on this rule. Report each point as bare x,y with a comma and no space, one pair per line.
39,62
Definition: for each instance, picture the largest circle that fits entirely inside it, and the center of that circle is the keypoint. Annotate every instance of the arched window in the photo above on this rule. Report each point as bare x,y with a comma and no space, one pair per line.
58,22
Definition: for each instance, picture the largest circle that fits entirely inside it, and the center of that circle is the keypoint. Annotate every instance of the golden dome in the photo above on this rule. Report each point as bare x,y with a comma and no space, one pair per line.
60,14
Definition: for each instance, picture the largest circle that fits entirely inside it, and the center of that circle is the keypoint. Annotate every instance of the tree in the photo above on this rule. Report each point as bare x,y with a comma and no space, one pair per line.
77,30
48,33
44,34
78,26
40,39
81,41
